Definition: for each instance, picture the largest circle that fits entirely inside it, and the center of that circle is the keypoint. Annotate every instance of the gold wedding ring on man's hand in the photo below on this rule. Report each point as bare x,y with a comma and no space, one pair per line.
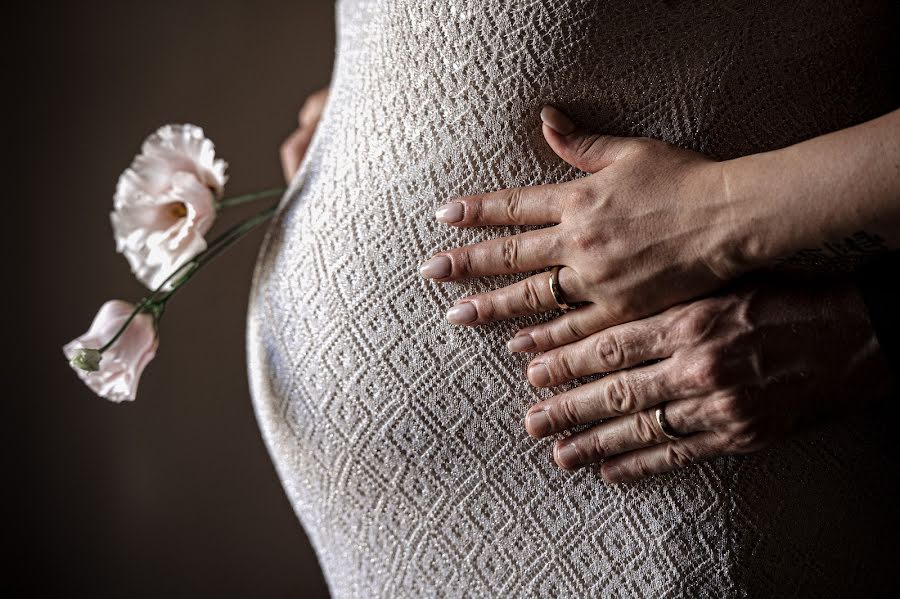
556,291
664,425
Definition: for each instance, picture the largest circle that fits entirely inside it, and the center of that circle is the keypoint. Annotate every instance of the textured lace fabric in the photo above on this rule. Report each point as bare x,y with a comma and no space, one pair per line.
399,438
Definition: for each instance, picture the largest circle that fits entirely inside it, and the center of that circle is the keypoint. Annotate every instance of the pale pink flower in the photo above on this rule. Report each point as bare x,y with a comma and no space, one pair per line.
118,372
165,202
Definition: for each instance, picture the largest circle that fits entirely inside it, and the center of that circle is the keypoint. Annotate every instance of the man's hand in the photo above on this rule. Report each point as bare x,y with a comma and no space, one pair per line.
735,373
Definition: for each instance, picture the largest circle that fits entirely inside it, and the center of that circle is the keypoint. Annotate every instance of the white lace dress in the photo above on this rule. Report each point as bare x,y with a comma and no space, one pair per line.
399,438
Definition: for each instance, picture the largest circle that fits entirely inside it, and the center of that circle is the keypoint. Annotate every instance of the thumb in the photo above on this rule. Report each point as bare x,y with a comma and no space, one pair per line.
589,152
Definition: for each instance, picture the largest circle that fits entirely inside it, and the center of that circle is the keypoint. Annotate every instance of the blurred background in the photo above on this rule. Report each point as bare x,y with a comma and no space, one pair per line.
173,495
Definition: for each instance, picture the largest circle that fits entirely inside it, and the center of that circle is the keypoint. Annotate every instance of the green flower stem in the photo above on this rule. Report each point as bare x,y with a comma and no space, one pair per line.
220,244
144,304
250,197
155,305
124,326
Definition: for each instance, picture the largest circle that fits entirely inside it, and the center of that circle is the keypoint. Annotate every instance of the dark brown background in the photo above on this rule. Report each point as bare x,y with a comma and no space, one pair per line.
173,495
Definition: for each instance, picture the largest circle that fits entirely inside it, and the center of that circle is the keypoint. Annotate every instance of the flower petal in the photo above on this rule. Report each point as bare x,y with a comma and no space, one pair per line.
165,202
123,363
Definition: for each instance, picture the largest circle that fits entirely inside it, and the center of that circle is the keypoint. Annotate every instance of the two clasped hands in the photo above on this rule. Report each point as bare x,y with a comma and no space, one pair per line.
662,251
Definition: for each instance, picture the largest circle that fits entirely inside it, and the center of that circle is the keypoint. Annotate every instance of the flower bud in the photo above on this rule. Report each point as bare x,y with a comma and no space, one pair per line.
86,359
117,377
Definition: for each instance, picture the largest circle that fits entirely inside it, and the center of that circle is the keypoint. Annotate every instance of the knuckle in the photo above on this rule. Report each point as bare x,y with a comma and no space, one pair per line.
589,143
558,332
609,352
643,146
514,205
510,252
707,371
546,337
744,439
462,261
531,298
644,430
572,329
678,455
640,468
598,446
620,398
561,367
566,413
579,196
543,337
697,322
732,409
473,210
582,239
486,306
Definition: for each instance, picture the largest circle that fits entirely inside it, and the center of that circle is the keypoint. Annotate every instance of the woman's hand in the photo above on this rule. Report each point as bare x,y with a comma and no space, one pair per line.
294,147
651,227
735,373
655,225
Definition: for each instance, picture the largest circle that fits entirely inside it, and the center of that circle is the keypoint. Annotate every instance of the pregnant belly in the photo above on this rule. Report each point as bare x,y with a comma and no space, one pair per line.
399,438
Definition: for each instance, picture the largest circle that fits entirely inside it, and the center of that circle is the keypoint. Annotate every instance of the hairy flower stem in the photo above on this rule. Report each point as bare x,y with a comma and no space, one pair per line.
155,303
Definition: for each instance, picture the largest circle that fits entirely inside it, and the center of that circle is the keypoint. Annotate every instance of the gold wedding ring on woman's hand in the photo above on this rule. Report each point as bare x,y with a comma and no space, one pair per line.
556,291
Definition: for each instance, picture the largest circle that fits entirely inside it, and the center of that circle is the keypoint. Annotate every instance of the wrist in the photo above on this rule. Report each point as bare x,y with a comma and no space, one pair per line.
766,219
742,224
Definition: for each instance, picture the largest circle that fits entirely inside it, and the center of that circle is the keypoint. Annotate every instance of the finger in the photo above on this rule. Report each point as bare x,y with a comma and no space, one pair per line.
312,109
570,327
665,457
537,205
626,433
619,347
618,394
589,152
529,296
532,250
293,150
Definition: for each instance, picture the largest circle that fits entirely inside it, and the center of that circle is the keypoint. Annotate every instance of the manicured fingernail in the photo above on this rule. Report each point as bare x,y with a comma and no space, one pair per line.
567,456
449,213
538,374
556,120
538,423
462,314
520,343
436,268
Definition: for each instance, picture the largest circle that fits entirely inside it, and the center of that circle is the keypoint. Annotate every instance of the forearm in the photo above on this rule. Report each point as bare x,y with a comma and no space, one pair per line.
817,194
